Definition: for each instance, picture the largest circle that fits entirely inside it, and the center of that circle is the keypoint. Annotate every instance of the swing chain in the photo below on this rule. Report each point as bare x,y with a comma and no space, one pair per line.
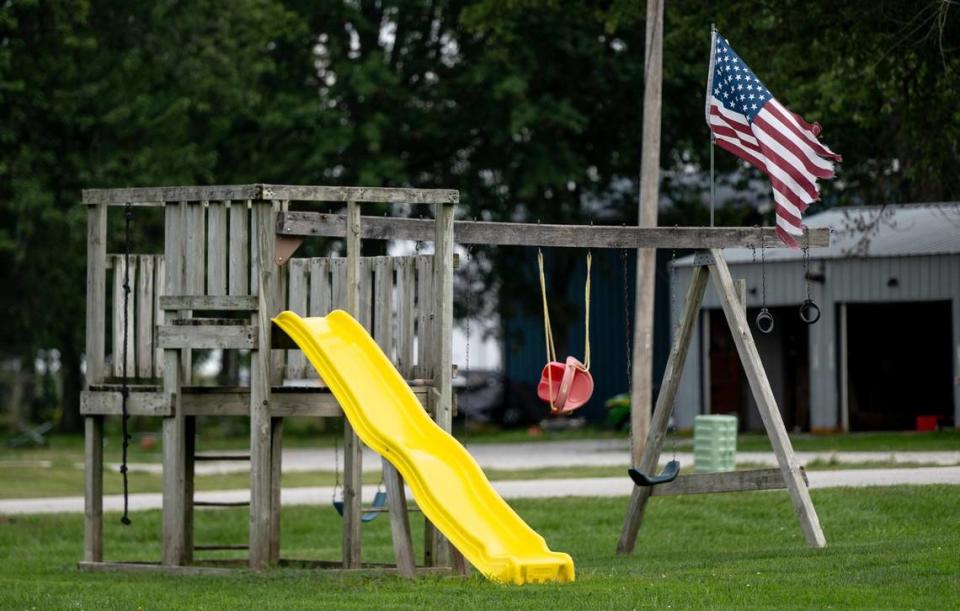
124,389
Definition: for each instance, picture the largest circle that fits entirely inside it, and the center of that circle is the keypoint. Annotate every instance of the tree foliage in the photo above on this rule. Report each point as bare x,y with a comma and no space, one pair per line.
530,107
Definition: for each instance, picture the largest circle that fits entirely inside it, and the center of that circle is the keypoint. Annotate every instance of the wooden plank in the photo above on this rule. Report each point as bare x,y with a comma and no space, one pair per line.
386,195
399,521
426,305
93,489
338,283
664,407
320,290
307,567
159,316
365,287
298,223
766,402
124,318
261,491
730,481
217,248
406,295
238,282
195,253
441,341
145,310
231,402
235,303
352,456
383,304
109,403
192,336
170,194
96,293
320,295
142,567
297,302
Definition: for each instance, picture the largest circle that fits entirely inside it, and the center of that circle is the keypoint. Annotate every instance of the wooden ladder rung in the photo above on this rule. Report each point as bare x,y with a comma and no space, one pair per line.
221,503
207,548
208,322
212,457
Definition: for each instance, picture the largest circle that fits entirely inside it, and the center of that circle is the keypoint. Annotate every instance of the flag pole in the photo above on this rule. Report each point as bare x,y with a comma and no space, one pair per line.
713,51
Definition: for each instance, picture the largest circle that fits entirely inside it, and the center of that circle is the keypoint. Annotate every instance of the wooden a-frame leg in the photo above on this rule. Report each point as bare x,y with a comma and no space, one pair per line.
664,407
399,521
766,403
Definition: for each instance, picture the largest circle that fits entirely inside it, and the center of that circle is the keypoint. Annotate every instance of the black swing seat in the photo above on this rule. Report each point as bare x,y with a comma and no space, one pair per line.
379,500
670,473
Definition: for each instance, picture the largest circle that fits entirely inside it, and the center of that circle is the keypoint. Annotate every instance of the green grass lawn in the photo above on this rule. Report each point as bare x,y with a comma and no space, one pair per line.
888,548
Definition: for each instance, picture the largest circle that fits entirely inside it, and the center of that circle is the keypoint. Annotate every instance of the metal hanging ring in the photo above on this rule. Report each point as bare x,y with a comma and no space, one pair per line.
809,312
765,321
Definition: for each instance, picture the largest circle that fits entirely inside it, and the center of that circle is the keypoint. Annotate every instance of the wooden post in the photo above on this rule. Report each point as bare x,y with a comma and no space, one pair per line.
93,489
276,461
93,425
766,403
399,523
641,377
661,415
261,487
352,465
176,545
436,549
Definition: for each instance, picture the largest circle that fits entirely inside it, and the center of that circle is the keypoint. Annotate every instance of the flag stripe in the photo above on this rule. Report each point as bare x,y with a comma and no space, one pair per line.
810,161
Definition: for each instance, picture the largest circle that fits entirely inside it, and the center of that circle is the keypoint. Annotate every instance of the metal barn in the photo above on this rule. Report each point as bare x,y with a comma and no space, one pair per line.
885,354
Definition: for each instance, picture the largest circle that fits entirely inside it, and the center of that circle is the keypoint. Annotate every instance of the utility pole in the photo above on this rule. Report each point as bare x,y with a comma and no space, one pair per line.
641,395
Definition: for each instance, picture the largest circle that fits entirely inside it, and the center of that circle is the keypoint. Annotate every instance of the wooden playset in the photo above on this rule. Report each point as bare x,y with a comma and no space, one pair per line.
227,269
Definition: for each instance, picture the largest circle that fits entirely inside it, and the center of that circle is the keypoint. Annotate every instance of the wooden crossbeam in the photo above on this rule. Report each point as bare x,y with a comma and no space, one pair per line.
304,224
730,481
265,192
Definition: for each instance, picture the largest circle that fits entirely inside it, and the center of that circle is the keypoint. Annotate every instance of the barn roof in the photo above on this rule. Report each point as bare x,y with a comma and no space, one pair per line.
872,231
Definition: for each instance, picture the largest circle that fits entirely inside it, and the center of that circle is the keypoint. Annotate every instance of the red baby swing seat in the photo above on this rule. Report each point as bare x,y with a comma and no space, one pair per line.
569,385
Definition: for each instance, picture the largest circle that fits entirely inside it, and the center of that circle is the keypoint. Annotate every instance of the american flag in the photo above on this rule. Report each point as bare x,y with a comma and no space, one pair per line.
748,121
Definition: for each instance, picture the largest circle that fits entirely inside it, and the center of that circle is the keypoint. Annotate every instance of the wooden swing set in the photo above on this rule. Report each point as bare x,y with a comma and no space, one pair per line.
226,269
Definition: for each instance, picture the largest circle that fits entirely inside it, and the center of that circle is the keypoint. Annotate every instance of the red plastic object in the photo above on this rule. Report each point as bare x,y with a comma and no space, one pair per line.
927,423
572,385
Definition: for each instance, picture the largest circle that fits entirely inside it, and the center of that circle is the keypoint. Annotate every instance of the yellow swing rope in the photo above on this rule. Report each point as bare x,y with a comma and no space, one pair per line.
548,328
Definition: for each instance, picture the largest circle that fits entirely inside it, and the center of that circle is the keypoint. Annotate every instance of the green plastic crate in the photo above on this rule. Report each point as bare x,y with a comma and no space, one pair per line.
714,443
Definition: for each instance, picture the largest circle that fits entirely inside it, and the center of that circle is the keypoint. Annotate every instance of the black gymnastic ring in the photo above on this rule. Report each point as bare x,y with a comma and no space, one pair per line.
809,312
764,321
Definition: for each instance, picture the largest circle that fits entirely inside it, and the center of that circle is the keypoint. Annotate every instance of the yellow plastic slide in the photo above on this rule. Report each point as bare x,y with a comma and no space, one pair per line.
446,481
